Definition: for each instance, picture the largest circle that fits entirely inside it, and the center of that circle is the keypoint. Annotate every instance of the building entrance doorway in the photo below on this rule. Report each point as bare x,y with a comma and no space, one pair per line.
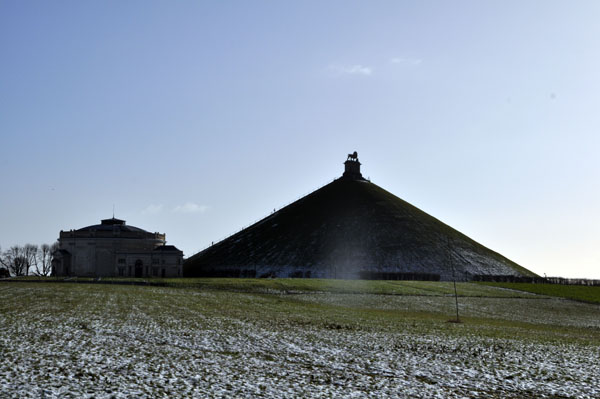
139,268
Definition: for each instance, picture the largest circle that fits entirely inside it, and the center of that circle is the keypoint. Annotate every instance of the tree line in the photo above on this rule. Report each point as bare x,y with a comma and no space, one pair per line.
27,260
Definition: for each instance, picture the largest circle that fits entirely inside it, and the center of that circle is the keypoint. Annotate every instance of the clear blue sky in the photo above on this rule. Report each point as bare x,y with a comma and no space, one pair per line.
197,118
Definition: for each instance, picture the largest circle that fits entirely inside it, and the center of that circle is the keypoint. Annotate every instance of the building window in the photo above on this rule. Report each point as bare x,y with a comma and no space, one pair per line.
163,261
121,271
155,271
121,261
155,261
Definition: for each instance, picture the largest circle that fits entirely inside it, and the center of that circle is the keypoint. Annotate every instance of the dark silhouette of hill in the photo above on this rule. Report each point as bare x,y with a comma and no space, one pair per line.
350,228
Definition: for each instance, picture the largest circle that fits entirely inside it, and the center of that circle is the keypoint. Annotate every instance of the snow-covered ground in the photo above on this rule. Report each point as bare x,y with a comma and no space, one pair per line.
74,341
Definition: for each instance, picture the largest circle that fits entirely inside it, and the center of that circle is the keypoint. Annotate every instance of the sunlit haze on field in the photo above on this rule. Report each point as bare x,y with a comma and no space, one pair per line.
196,119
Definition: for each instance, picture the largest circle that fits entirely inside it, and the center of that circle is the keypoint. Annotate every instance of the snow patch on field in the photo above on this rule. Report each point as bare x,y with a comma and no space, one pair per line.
165,348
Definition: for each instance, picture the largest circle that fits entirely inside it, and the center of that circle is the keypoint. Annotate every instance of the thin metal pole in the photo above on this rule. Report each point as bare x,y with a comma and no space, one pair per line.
456,297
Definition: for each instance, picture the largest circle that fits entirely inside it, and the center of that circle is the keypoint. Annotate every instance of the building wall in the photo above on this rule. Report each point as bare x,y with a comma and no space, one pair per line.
153,264
93,256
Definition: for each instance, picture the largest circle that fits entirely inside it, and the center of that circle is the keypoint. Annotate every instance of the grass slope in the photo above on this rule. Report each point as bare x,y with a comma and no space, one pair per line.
575,292
296,285
345,227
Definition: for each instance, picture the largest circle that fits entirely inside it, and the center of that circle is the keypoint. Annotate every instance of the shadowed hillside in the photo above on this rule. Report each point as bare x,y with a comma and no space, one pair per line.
350,228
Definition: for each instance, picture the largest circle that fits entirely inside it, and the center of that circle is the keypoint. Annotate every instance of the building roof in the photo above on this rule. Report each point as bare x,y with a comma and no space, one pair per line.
167,248
112,225
112,221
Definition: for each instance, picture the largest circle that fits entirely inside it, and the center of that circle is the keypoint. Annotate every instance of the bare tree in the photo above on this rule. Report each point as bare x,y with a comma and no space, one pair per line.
5,259
3,268
15,261
30,252
43,267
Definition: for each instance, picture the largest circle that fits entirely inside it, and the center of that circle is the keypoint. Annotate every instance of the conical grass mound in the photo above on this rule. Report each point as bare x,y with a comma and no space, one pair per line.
351,228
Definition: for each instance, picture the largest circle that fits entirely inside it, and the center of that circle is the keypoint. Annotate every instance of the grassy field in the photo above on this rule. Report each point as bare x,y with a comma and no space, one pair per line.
575,292
293,338
292,285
